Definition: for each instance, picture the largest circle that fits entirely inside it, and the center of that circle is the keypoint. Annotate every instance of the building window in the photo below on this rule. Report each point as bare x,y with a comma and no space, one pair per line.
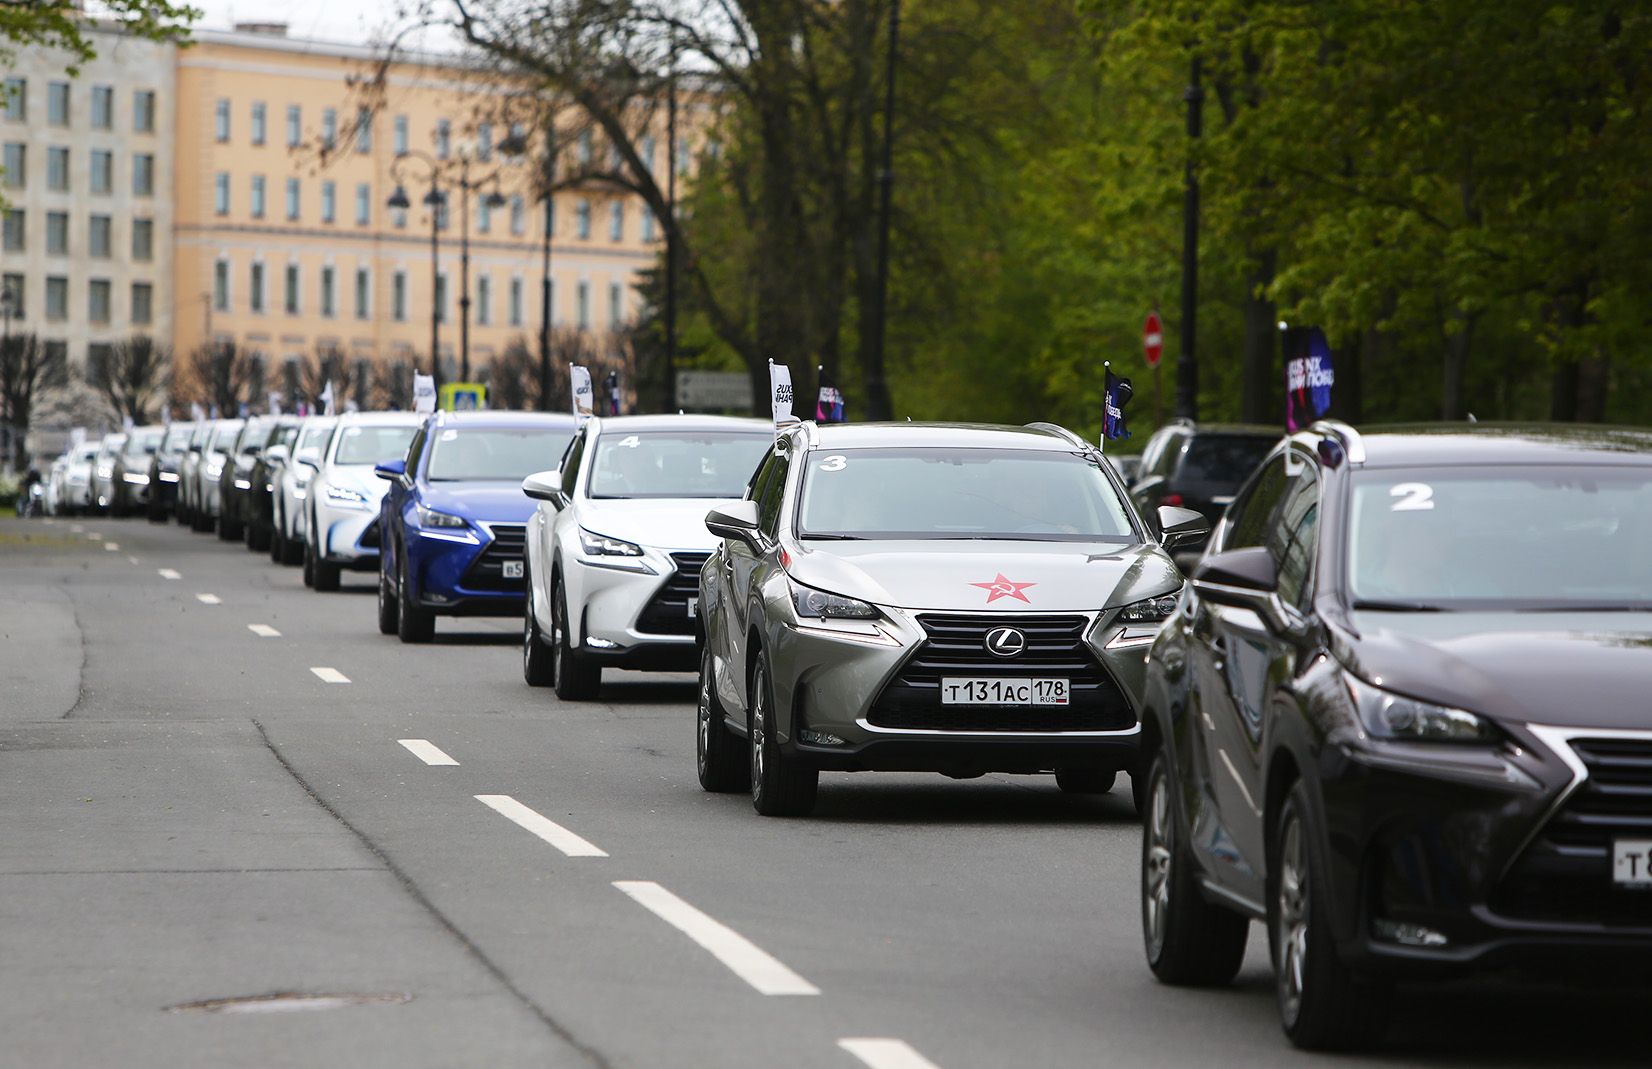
295,125
143,111
329,202
616,220
516,302
364,293
143,240
329,127
398,296
16,231
103,107
585,148
220,286
364,130
98,237
444,139
582,220
292,287
364,204
647,150
258,196
220,193
328,308
97,300
143,303
484,301
484,215
220,121
398,135
17,100
57,169
259,123
57,233
519,215
582,306
13,285
255,287
57,298
16,164
682,157
103,171
616,306
57,103
143,175
441,298
647,223
484,141
292,200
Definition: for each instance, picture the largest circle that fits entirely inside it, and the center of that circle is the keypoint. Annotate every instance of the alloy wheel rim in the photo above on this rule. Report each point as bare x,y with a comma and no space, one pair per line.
1292,905
1156,866
556,640
759,715
703,727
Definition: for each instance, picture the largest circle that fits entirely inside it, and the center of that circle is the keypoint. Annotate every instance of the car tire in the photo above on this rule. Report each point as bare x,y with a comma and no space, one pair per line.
577,679
720,755
201,522
1085,780
324,574
309,566
258,538
781,785
278,547
228,531
1189,941
389,610
413,623
537,667
1323,1004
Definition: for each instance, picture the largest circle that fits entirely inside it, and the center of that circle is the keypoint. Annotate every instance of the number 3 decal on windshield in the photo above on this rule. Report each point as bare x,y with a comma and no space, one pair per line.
834,463
1413,497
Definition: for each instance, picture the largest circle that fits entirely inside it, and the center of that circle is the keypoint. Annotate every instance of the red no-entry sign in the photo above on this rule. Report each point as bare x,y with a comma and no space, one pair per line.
1152,339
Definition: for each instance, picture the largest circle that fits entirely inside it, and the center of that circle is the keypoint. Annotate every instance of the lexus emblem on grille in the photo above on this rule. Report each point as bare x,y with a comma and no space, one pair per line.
1006,642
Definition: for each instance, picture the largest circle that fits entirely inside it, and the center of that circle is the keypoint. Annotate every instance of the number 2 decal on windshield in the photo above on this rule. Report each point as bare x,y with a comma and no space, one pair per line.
834,463
1413,497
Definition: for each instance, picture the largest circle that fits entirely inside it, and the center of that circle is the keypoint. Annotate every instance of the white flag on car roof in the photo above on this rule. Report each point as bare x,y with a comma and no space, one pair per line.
780,393
424,393
580,379
196,412
326,399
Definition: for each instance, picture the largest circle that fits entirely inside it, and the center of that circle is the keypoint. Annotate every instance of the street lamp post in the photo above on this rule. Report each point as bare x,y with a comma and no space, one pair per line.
671,233
433,200
517,145
6,302
1187,368
886,184
492,200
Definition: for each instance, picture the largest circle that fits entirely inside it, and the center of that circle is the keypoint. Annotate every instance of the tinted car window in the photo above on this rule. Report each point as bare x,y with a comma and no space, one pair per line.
1250,517
571,462
369,445
315,437
499,453
176,439
223,436
143,443
674,464
1223,458
774,494
1293,542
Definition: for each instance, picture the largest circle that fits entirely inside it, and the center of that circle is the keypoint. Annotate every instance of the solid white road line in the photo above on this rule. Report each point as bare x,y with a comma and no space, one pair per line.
168,573
746,959
209,599
544,827
330,675
427,752
263,630
886,1054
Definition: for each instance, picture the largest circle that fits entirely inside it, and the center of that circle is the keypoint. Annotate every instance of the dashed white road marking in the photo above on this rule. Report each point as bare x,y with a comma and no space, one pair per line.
94,537
744,958
542,826
113,547
169,573
134,560
263,630
330,675
209,599
427,752
75,528
886,1054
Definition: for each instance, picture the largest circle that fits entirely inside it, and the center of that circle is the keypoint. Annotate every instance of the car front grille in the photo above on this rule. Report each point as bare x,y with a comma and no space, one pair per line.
1566,871
487,571
955,645
369,536
667,611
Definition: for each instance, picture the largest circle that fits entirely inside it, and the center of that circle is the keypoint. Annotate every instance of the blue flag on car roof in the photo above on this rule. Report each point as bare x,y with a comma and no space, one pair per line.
1309,376
829,405
1114,396
611,384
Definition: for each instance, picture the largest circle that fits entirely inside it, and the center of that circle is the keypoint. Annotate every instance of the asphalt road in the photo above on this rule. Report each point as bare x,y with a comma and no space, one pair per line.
205,796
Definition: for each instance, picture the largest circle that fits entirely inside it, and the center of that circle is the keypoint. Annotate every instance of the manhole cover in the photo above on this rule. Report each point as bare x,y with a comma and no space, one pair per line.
287,1002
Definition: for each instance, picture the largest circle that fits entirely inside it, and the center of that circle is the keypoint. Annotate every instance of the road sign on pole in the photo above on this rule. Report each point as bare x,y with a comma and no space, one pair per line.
1152,339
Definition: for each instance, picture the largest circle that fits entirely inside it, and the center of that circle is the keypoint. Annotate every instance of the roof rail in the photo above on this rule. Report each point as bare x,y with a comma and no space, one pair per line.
1351,441
1060,431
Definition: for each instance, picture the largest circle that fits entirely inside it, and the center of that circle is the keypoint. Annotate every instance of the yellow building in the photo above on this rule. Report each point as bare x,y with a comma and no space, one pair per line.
286,251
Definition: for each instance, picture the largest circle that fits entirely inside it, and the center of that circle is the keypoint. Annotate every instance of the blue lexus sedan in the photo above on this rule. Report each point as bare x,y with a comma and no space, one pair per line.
452,526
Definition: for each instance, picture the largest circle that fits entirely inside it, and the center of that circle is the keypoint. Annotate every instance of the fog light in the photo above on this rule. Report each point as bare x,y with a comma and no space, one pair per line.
600,643
1410,935
819,738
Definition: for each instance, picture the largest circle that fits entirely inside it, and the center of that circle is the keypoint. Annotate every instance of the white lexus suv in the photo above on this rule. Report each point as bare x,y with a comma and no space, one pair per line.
615,548
341,528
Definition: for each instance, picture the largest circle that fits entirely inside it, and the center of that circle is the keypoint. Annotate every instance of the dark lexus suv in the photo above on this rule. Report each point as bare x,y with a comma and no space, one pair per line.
1401,716
1198,466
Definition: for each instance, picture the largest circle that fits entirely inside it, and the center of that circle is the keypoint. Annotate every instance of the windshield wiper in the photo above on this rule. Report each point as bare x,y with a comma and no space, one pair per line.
1615,607
1396,606
829,537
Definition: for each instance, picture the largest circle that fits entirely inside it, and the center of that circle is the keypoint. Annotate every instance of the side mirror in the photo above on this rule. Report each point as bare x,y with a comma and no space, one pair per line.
390,469
276,454
1237,577
1182,527
737,521
544,486
310,456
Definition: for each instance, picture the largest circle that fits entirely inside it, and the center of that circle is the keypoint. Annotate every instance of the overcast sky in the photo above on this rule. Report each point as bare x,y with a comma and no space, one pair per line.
353,21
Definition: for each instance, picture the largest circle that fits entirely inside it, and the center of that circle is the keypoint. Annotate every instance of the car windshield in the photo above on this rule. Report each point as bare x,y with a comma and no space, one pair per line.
223,436
285,434
961,493
496,453
1224,459
371,444
683,464
1537,538
315,435
258,430
87,454
143,443
177,438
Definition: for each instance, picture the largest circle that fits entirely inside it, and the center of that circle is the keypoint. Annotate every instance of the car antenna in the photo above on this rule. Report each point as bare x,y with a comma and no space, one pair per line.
1471,418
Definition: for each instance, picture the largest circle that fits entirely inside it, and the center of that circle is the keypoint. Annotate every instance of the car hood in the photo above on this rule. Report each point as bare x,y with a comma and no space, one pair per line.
996,576
493,502
665,523
1567,669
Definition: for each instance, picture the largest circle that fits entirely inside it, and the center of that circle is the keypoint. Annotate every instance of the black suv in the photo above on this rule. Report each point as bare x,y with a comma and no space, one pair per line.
1401,716
1198,465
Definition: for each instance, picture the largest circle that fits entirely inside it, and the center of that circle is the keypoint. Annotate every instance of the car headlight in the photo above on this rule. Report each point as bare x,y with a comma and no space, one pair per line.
819,605
214,470
1155,610
1394,716
243,484
602,546
345,497
169,476
136,478
428,517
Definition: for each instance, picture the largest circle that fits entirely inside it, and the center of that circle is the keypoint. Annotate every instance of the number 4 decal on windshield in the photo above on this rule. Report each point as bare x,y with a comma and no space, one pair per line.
836,462
1412,497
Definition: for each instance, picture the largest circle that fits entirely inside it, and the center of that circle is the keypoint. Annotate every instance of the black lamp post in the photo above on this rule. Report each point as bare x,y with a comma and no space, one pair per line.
517,145
492,200
433,199
1187,367
886,185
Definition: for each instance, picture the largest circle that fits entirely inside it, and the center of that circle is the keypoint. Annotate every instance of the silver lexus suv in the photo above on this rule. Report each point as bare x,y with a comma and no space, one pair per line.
928,597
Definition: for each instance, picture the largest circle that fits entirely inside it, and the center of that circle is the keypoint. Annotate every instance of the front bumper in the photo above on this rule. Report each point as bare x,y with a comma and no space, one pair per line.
635,612
348,537
462,573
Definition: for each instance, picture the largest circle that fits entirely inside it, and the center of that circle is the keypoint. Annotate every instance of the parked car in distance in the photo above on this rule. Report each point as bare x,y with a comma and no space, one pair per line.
342,517
75,497
189,472
1198,466
103,471
292,488
165,470
272,456
617,541
129,482
209,470
235,481
454,520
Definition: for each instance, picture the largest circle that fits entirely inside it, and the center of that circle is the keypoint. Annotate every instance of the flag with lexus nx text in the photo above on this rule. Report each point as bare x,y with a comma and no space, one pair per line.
611,387
829,404
579,378
1309,376
780,393
1114,396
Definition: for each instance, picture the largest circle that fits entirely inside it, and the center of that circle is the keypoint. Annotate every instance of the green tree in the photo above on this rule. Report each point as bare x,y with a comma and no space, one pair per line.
62,24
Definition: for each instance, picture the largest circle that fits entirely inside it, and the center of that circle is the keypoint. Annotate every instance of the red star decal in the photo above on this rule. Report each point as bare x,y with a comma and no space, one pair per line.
1003,588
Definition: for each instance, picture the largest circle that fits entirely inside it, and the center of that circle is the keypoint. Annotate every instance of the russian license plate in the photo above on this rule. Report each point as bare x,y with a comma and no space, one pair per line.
512,569
1632,862
693,608
959,690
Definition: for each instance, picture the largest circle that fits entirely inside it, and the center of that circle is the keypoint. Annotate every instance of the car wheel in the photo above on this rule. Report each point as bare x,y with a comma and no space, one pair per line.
1085,780
537,667
278,547
781,786
719,754
200,521
576,679
228,530
258,537
389,617
1323,1004
324,574
413,623
1189,941
309,566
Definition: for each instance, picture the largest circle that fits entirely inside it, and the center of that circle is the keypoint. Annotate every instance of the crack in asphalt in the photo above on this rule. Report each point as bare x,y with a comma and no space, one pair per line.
80,633
561,1031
